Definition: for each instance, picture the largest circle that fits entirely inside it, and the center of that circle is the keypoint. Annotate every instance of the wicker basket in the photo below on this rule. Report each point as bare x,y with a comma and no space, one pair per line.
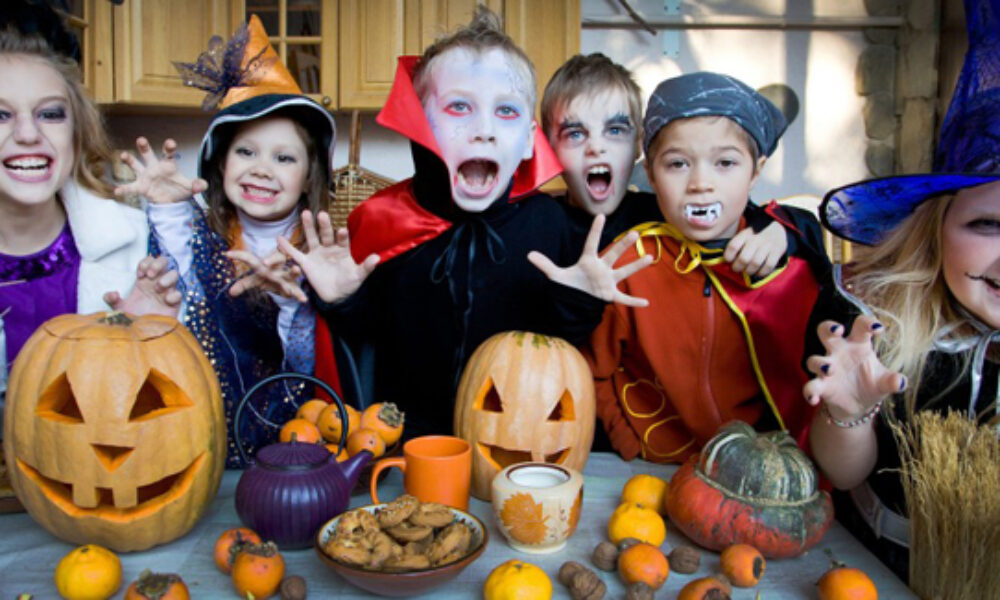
351,183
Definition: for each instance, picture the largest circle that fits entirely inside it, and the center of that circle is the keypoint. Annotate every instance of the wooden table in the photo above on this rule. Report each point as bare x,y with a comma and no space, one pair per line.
28,554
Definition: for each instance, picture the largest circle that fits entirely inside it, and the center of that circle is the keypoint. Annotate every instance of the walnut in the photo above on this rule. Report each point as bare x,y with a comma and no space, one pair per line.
627,543
293,587
586,585
684,559
605,556
639,591
568,570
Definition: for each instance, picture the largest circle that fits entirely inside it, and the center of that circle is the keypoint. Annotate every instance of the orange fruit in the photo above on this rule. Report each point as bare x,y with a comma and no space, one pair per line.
329,422
89,572
647,490
517,580
704,587
742,564
636,521
158,586
365,439
386,419
310,410
258,570
303,430
342,455
225,552
846,583
645,563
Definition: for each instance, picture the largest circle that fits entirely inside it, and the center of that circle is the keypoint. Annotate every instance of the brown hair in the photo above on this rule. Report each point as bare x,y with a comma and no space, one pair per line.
91,147
483,33
589,75
222,212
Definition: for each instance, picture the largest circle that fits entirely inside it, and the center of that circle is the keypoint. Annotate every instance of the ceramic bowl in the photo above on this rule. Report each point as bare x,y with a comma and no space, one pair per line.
409,583
553,494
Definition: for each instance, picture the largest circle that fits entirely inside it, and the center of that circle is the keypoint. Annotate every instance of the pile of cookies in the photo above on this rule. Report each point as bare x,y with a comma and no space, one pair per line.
404,535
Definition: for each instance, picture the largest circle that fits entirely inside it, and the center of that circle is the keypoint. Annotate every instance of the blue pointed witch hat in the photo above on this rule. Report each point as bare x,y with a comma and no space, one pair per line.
968,152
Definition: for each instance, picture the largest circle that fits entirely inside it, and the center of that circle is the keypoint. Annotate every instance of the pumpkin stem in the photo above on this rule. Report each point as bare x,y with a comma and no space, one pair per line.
116,317
155,585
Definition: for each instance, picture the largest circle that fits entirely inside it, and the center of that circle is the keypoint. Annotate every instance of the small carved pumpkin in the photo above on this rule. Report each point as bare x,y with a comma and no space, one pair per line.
752,489
114,431
524,397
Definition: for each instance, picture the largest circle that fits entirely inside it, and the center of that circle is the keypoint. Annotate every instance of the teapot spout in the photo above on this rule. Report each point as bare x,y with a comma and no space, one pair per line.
352,467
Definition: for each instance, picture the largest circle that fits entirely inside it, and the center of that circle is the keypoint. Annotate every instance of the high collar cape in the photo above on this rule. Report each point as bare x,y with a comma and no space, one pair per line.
392,221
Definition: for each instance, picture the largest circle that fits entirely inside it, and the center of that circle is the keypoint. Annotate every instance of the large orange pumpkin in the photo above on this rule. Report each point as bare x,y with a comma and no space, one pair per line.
752,489
114,431
524,397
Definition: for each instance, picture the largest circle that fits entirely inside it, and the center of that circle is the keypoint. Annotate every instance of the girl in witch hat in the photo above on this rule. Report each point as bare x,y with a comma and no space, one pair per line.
265,158
927,284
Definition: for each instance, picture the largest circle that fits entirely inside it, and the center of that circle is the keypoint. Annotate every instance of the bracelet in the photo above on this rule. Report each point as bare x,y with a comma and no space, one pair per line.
864,418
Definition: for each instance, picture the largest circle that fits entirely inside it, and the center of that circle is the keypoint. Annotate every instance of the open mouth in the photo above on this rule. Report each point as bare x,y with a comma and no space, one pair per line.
477,178
254,193
702,215
501,457
146,497
599,181
29,168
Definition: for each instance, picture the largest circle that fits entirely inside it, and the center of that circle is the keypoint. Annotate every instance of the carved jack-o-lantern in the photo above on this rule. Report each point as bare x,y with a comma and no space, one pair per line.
524,397
114,431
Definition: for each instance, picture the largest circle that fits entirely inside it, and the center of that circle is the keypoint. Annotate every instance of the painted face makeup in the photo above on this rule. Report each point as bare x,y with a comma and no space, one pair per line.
702,173
479,111
36,131
265,168
970,251
594,138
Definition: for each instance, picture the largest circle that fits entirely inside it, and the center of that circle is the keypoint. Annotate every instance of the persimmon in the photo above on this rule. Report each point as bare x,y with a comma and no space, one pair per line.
230,543
705,588
157,586
329,423
302,430
258,569
742,564
846,583
310,410
643,562
636,521
647,490
342,455
386,419
365,439
89,572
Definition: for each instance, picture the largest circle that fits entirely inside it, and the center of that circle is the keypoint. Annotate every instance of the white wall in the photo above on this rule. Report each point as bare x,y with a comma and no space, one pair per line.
823,148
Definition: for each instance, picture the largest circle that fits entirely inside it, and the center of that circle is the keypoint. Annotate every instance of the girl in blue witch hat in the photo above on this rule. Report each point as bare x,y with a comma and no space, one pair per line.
927,283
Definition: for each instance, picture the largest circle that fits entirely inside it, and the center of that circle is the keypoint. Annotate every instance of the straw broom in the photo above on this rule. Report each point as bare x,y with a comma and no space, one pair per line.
951,478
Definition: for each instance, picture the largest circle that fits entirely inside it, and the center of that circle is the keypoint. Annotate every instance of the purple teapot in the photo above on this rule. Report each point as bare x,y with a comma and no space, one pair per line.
290,489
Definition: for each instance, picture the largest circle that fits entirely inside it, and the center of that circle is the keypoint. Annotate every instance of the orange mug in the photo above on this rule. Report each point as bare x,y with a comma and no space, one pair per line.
436,468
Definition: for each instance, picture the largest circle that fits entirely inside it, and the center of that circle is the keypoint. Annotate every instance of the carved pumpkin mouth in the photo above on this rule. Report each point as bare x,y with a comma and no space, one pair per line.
149,498
501,457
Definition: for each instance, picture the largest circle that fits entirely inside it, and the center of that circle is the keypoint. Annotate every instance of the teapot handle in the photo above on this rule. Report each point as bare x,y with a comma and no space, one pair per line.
278,377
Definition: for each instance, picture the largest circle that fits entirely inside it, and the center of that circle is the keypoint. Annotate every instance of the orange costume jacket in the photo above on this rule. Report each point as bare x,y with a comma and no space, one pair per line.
713,345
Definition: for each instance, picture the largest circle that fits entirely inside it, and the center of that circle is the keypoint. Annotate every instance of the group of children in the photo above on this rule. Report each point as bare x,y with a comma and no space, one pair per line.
693,305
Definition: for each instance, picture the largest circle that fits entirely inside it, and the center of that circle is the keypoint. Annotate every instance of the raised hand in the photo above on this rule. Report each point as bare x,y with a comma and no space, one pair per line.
850,379
756,254
273,273
597,274
158,179
327,261
154,293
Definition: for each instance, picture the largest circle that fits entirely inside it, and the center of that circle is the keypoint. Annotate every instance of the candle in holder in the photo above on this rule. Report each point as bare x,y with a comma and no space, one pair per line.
537,505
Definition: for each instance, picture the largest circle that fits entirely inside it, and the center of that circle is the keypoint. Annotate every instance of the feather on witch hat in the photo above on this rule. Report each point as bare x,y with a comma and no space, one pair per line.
245,78
968,151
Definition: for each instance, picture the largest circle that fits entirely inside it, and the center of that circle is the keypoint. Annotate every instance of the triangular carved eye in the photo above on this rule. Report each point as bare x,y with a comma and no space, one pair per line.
563,410
489,398
58,403
157,396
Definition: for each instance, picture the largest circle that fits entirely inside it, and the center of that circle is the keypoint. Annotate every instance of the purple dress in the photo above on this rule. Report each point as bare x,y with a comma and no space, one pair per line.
36,287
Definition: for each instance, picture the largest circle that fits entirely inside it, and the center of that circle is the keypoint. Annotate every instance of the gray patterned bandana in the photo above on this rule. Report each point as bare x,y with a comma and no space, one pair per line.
706,94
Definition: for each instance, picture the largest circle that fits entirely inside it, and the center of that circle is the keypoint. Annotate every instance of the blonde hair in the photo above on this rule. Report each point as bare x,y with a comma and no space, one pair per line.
589,75
91,147
483,33
902,281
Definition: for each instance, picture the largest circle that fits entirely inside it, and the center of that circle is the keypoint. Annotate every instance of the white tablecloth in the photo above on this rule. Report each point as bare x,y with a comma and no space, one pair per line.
29,554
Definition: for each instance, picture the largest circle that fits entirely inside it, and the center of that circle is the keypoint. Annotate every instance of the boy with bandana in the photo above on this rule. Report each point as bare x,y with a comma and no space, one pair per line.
465,249
734,339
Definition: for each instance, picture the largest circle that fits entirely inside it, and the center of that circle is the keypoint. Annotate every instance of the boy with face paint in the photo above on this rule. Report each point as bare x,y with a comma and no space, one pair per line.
733,339
592,116
466,248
